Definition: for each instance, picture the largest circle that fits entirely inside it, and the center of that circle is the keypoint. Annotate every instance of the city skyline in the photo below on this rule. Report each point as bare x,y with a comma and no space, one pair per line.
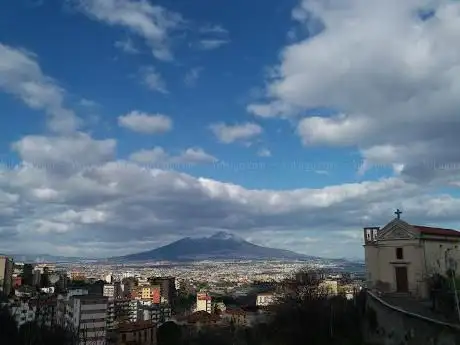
130,124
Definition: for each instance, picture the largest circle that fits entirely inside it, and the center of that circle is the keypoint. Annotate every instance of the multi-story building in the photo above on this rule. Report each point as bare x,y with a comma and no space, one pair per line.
46,309
135,311
150,293
118,311
6,274
27,274
21,311
76,275
112,291
203,302
42,310
265,299
167,288
36,277
86,315
157,313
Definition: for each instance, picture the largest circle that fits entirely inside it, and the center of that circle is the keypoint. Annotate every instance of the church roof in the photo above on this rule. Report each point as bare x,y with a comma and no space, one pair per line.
426,230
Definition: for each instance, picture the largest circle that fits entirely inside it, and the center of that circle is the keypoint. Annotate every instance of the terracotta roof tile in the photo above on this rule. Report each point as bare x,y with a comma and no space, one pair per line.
426,230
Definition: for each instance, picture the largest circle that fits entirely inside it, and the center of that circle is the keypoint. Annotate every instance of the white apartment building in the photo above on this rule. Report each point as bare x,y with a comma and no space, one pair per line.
265,299
112,291
203,302
86,315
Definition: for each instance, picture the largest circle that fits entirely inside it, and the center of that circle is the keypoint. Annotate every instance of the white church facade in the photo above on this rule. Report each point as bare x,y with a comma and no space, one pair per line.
400,257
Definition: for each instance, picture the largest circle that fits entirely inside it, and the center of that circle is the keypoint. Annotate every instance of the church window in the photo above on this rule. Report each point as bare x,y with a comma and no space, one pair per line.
399,254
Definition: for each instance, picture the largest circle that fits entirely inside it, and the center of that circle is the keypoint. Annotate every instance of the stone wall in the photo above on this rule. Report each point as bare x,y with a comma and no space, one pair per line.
389,325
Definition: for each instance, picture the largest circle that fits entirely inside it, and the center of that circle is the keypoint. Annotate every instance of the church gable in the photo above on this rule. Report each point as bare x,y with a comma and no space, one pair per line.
397,230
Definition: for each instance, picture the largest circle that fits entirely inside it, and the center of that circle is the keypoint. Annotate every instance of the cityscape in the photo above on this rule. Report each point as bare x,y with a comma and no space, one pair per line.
229,172
115,302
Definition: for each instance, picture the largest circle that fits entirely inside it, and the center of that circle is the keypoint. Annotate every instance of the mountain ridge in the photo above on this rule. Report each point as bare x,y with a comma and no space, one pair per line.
220,245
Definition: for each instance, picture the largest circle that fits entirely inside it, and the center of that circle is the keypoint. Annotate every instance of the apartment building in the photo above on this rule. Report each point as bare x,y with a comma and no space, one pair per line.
21,311
118,311
149,293
203,302
86,315
157,313
167,288
6,274
112,291
265,299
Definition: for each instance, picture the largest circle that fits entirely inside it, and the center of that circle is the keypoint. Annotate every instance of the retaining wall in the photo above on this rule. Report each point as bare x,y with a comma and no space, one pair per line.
389,325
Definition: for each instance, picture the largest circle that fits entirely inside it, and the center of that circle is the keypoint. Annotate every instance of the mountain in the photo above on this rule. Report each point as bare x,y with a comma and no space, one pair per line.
221,245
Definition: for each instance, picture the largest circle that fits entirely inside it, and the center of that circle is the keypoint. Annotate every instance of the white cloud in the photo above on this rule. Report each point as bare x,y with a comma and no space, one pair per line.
230,133
213,29
153,80
196,155
21,76
151,22
84,102
92,205
192,76
210,44
159,158
56,153
145,123
264,153
389,72
157,155
127,46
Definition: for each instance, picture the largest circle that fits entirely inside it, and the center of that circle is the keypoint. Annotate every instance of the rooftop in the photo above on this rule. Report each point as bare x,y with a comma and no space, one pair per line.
427,230
135,326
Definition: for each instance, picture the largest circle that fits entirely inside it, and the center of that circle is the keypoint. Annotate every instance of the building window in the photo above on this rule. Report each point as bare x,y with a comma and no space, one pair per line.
399,254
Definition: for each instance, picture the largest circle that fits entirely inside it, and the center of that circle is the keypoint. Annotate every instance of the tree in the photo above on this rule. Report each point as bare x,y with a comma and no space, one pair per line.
169,333
8,328
304,314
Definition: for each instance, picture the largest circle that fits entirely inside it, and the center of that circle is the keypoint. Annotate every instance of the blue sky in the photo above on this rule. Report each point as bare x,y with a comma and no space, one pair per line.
244,98
81,55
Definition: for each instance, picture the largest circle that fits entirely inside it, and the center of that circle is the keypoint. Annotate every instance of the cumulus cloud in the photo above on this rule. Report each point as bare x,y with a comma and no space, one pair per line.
151,22
161,159
239,132
391,74
22,76
91,206
145,123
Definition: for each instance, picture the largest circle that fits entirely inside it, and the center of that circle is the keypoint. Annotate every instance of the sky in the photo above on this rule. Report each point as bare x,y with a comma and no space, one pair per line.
128,124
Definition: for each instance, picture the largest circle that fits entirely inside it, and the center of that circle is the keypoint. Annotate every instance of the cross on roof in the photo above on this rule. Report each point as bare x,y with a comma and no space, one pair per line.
398,213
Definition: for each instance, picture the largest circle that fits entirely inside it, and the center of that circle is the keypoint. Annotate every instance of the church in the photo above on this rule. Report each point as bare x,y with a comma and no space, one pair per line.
401,257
